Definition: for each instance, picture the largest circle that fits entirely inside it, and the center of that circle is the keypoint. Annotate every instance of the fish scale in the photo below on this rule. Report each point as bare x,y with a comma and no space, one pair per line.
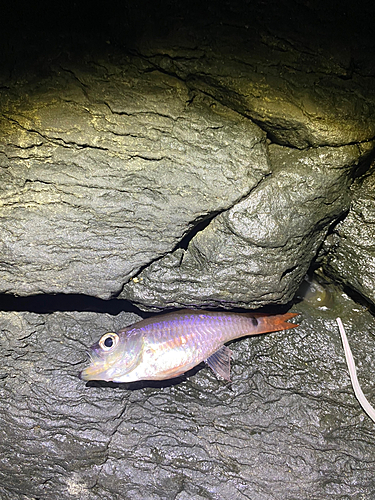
167,346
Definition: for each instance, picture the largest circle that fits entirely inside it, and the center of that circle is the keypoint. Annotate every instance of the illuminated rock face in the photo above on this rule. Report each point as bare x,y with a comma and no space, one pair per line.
257,252
166,156
103,182
98,184
113,159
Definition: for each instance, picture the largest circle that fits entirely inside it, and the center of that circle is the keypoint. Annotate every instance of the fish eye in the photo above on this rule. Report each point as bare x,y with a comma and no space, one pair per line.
108,341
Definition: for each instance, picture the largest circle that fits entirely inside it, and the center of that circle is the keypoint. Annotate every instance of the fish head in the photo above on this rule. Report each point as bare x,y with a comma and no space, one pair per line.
113,357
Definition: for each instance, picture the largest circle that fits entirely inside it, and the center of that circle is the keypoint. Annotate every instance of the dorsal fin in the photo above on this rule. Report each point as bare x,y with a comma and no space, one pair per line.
219,362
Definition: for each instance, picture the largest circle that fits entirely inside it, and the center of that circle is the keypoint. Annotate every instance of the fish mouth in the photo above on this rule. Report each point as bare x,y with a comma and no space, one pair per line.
91,372
95,370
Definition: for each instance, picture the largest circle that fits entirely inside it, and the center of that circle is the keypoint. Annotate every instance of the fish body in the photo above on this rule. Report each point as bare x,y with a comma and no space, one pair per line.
169,345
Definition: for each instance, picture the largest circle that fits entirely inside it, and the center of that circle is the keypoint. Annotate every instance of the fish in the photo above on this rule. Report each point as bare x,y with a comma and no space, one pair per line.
169,345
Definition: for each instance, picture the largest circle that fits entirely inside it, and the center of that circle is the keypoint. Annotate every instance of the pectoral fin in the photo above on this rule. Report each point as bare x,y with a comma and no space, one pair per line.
219,362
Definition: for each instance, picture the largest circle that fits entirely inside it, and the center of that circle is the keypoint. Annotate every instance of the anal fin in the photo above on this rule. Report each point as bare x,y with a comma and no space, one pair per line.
219,362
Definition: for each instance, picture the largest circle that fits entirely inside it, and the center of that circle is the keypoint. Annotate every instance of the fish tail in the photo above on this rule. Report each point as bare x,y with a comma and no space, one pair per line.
273,322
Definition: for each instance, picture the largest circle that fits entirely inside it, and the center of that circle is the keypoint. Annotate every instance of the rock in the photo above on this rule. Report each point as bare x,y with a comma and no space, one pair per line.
98,183
307,89
114,148
349,252
257,252
184,154
288,426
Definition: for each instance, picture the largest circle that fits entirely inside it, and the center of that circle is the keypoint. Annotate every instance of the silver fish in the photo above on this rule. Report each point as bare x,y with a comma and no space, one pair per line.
166,346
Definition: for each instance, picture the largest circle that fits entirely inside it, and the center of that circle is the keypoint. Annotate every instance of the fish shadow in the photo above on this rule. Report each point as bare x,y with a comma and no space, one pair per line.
143,384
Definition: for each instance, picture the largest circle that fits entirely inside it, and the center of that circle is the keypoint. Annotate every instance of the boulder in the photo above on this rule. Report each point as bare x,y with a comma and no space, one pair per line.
349,252
257,252
101,177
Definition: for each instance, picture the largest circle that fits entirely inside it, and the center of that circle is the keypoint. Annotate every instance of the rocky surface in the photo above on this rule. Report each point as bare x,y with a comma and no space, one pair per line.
114,150
258,251
350,249
301,91
288,426
185,154
100,178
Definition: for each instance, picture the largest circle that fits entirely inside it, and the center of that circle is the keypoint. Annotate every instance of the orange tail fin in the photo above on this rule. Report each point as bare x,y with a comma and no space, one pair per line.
273,322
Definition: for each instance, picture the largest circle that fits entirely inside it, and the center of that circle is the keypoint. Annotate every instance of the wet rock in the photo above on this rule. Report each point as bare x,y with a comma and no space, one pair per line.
99,179
257,252
288,426
114,148
133,147
349,252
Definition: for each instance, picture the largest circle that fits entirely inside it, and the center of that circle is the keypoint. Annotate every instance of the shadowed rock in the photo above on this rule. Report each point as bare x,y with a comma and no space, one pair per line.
350,249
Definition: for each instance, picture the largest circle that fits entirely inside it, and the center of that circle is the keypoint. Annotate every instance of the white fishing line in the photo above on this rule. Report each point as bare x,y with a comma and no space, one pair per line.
353,373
